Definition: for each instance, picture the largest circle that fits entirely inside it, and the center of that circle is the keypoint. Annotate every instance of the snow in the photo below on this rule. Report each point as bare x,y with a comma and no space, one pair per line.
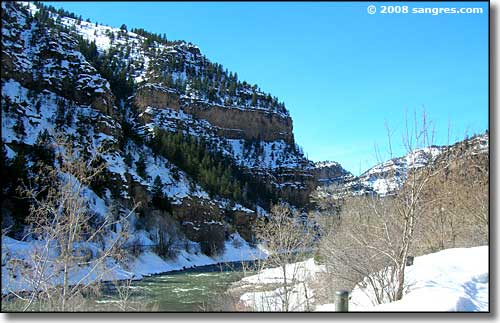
142,60
177,190
270,155
226,203
10,153
18,271
146,263
447,281
326,163
261,212
34,123
273,155
300,271
384,186
95,203
150,263
172,120
264,296
239,207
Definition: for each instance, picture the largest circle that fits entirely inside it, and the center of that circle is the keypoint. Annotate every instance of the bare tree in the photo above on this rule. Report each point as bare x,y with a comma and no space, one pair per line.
377,234
75,247
457,212
289,240
363,248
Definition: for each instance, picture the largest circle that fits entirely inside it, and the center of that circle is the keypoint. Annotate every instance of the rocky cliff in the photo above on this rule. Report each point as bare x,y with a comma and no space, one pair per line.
178,133
231,122
330,172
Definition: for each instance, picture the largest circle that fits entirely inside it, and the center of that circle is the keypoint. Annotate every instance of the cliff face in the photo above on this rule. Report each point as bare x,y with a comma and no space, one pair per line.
329,172
109,91
234,123
231,122
276,160
157,97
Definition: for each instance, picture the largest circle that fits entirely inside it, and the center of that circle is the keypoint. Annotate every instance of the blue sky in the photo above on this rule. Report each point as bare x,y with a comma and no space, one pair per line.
341,72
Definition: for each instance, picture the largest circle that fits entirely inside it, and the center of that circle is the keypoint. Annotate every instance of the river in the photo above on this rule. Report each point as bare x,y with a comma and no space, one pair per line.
196,289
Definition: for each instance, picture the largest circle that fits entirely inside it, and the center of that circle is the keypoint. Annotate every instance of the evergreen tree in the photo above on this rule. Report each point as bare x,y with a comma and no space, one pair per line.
38,106
141,167
60,113
254,99
175,174
215,172
42,153
128,159
157,186
16,173
159,200
19,127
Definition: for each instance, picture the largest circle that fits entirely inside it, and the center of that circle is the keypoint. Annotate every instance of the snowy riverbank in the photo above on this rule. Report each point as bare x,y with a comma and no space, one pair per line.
446,281
265,291
449,280
17,264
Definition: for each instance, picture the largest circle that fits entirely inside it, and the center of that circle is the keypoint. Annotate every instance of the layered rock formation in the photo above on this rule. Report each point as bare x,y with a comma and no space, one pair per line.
108,90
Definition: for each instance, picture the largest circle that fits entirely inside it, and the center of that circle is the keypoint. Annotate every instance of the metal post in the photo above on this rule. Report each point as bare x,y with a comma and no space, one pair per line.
409,260
341,301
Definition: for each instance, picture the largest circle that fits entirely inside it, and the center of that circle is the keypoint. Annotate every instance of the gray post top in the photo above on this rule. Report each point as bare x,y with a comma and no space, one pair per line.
341,293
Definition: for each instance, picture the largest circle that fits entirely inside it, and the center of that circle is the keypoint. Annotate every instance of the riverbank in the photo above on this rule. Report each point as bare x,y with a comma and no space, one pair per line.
267,291
18,266
451,280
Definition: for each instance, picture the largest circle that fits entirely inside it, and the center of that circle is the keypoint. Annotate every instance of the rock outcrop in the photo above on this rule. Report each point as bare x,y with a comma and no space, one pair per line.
329,172
107,90
230,122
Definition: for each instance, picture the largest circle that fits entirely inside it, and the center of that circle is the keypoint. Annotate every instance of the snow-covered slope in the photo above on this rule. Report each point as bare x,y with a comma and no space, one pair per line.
452,280
261,139
55,110
245,123
387,177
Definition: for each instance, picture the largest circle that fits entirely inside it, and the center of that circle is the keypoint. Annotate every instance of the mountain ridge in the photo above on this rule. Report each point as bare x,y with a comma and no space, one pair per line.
386,178
219,151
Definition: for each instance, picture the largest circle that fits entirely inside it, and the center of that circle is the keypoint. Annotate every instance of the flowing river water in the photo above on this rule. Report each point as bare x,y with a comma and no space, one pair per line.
191,290
196,289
